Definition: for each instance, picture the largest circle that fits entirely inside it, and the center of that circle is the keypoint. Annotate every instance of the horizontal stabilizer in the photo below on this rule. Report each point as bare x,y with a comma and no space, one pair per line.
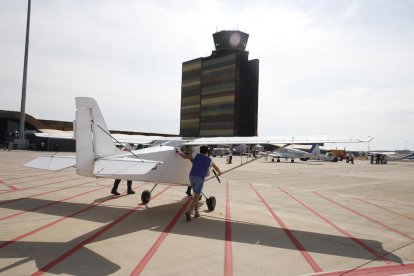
52,162
118,167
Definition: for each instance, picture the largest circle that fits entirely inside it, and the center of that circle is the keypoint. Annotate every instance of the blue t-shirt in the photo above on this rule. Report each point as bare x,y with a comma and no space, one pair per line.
201,164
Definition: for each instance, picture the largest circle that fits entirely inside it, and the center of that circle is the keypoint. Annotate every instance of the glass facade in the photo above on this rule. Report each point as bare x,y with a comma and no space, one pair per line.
190,98
218,96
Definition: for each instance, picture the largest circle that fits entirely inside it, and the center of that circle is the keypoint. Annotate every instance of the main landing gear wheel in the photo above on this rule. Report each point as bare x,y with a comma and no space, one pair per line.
145,196
211,203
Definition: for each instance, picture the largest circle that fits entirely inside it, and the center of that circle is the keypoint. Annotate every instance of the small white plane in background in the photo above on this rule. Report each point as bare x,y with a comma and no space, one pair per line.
382,157
98,157
291,153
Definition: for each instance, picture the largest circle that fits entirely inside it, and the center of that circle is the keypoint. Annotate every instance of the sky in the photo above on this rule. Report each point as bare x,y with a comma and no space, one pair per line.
327,67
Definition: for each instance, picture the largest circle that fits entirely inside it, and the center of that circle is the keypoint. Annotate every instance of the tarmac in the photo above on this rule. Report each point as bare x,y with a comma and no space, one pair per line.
301,218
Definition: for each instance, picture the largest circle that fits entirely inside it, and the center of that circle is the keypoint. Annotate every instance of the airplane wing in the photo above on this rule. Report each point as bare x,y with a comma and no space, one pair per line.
142,139
228,141
316,140
274,140
139,139
122,138
52,162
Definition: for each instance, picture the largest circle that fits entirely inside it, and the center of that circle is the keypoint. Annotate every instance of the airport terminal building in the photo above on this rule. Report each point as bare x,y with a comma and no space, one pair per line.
219,93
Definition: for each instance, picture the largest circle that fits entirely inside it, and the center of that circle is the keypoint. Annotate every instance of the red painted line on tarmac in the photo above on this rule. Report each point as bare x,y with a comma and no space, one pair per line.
44,193
368,218
395,202
17,168
26,176
383,208
55,222
354,239
12,187
20,169
49,204
9,187
228,249
289,233
91,238
41,185
34,180
144,261
387,270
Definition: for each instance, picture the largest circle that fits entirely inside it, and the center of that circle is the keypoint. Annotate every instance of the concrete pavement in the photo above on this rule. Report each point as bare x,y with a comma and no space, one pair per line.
297,218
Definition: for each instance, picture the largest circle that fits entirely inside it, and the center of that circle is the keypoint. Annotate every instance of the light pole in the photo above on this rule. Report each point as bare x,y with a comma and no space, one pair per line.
22,141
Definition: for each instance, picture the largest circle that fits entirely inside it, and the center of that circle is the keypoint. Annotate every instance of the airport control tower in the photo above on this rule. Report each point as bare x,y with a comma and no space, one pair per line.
219,93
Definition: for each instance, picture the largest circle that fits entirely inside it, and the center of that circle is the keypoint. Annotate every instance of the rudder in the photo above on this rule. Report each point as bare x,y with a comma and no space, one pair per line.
315,149
92,136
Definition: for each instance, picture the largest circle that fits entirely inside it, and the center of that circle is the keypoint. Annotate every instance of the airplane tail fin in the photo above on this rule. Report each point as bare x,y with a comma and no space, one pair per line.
410,156
315,149
92,136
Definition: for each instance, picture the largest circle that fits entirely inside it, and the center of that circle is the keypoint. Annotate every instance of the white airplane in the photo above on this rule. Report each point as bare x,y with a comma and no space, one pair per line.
98,157
291,153
382,157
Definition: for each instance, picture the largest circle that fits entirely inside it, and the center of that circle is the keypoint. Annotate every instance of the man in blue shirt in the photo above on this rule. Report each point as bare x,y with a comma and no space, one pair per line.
198,173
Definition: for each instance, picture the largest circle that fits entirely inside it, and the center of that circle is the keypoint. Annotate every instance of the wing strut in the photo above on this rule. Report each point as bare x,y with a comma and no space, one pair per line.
109,134
238,166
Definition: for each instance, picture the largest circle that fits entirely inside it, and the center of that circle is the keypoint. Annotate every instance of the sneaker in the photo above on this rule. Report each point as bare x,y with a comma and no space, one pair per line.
131,192
115,193
197,215
188,216
188,193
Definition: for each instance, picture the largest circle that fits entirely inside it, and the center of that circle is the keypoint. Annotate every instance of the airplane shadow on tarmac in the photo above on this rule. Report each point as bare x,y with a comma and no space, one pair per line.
157,218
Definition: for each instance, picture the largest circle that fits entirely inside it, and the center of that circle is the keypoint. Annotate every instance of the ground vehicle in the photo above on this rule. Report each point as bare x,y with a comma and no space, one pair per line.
341,154
329,156
219,152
